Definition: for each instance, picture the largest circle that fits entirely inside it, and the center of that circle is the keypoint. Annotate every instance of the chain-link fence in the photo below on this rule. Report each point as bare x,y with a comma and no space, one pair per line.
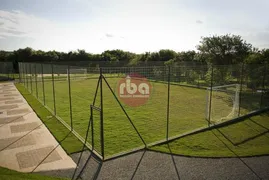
116,110
7,71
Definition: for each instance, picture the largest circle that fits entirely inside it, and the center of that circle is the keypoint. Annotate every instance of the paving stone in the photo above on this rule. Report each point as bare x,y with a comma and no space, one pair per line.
6,98
6,120
34,157
9,90
24,143
15,142
18,111
24,127
11,95
8,107
6,93
14,101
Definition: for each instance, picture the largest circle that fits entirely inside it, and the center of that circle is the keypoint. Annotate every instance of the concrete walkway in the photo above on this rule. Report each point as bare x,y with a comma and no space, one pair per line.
26,145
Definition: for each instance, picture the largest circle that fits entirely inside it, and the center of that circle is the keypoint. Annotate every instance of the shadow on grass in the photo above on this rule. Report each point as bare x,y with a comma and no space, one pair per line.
259,123
243,141
248,138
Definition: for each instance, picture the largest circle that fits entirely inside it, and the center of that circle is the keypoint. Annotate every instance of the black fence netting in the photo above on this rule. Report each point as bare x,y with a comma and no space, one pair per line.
115,109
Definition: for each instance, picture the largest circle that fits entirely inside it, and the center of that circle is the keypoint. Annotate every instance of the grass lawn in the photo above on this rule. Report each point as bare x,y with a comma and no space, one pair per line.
187,111
149,119
7,174
246,138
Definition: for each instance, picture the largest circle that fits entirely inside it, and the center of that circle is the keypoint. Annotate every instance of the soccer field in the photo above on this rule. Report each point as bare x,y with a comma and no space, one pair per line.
186,111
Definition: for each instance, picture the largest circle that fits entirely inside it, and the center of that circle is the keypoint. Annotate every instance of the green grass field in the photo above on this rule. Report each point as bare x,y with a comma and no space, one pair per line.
187,111
247,138
7,174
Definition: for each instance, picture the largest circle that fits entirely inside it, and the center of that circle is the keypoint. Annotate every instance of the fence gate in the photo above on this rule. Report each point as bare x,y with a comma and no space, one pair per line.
96,136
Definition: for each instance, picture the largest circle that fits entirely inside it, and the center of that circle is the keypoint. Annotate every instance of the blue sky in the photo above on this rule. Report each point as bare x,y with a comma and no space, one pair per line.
137,26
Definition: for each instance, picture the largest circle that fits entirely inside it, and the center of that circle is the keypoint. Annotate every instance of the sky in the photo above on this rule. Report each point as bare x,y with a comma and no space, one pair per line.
132,25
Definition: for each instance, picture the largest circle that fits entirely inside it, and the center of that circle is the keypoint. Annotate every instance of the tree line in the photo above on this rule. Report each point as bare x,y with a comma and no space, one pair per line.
217,50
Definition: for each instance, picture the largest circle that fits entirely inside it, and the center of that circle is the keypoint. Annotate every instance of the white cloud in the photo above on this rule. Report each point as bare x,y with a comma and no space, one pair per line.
199,22
137,26
109,35
47,35
27,25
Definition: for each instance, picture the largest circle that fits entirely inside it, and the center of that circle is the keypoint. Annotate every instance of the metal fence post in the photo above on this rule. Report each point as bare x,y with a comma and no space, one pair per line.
168,104
101,114
23,73
241,85
36,89
20,71
53,89
92,129
70,97
7,70
27,79
263,87
13,76
210,97
31,83
43,85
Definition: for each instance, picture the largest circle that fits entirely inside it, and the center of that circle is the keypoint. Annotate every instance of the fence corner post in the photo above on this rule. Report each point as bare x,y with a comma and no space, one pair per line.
70,97
168,103
53,88
102,115
211,94
241,87
263,85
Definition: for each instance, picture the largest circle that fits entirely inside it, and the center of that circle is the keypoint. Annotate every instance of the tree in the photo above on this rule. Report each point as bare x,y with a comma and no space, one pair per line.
24,54
255,68
82,55
38,56
265,55
225,49
51,56
144,57
116,55
167,54
3,56
154,56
